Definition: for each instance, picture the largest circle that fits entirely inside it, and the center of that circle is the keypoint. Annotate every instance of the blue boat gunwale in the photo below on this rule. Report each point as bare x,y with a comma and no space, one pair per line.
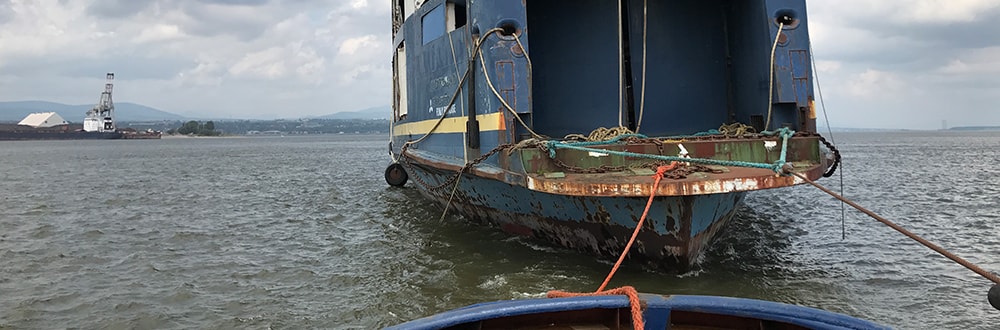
729,306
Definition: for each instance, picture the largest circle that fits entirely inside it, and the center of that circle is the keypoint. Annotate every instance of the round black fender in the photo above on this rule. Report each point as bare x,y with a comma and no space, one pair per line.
395,175
994,296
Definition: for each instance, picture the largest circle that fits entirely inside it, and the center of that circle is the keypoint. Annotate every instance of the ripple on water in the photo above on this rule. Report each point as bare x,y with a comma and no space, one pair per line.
303,233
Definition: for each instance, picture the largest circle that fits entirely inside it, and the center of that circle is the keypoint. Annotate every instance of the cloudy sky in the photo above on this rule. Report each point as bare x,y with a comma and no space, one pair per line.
892,64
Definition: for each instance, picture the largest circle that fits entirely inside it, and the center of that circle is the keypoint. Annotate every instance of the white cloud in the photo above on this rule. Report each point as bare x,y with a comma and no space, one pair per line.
352,45
268,63
295,60
42,27
905,11
875,84
159,32
827,66
206,72
359,4
975,62
941,11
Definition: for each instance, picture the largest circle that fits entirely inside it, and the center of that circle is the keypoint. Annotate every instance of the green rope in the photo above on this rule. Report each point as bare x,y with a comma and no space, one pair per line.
784,133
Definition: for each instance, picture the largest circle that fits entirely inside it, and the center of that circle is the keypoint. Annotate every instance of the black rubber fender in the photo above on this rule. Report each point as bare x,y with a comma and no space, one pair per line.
994,296
395,175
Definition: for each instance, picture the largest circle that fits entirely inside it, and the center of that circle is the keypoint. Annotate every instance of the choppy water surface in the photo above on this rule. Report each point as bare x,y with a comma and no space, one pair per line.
302,232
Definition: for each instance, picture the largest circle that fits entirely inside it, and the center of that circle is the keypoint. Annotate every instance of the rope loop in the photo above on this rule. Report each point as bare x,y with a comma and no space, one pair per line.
633,299
736,129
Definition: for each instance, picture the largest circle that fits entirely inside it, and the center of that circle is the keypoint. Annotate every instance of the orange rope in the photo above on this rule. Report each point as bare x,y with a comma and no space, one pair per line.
659,175
630,292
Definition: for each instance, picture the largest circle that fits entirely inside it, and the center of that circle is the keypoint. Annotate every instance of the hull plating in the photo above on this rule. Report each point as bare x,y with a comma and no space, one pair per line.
676,232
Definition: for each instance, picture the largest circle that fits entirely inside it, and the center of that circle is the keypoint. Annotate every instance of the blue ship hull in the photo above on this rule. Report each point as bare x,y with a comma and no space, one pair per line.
677,229
659,312
504,91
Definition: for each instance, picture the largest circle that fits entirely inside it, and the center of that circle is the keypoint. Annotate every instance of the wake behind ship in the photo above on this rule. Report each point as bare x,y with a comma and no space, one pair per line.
575,122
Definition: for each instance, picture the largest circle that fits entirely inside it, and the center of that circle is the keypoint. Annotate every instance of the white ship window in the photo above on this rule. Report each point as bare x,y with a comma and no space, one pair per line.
399,84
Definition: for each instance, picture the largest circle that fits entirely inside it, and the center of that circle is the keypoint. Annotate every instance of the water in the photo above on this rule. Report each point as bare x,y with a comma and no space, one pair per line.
302,232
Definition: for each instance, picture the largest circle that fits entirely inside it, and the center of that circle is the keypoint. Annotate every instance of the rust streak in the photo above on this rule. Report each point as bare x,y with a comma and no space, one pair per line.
616,184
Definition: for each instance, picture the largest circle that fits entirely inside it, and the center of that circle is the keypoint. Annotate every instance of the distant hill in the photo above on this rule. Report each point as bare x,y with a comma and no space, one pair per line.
975,128
380,112
124,111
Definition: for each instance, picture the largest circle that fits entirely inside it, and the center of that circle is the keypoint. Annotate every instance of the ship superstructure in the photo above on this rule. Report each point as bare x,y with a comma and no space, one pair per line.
102,117
557,119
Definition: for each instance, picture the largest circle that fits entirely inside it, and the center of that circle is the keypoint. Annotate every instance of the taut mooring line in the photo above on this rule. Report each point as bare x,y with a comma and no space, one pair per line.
994,293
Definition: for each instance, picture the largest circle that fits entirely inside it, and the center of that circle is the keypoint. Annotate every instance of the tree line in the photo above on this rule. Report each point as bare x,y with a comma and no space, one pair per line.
196,128
301,126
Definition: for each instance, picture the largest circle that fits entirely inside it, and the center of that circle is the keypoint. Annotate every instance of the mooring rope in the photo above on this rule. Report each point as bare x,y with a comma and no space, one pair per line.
454,189
642,93
736,129
660,171
605,134
458,91
770,77
822,103
993,277
621,67
507,106
633,296
531,72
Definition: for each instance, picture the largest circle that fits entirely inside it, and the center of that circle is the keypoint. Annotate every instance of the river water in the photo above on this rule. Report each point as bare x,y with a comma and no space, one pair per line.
303,232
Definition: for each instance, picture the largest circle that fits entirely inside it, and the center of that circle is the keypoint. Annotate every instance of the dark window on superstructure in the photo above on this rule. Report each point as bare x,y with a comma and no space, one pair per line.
458,12
397,16
433,24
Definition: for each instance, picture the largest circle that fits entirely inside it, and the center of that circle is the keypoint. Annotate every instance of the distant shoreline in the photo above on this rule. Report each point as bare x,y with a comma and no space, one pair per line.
889,130
975,128
176,136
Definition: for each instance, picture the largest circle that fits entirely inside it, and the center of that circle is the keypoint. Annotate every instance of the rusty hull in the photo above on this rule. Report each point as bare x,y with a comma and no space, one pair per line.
701,183
597,212
675,233
803,156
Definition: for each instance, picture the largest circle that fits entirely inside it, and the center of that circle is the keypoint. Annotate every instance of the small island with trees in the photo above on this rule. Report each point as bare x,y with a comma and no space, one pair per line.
196,128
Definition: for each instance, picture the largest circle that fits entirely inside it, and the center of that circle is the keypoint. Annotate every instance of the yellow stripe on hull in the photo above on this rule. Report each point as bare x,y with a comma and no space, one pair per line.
488,122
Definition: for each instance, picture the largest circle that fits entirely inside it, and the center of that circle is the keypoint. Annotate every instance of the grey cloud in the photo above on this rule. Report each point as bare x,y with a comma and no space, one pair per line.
134,67
915,46
236,2
117,8
6,12
131,67
204,21
977,83
210,25
127,8
958,35
220,21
